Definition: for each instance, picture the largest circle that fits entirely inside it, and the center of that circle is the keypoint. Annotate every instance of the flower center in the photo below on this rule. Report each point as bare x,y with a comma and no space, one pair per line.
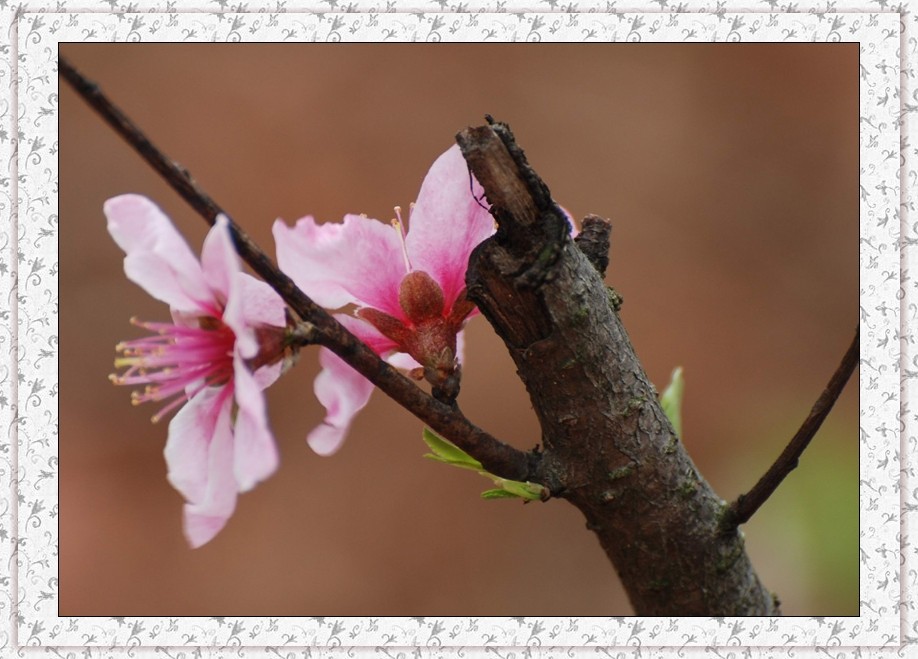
176,361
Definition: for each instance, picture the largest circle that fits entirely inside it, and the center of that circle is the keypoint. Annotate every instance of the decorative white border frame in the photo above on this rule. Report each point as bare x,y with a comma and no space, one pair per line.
28,378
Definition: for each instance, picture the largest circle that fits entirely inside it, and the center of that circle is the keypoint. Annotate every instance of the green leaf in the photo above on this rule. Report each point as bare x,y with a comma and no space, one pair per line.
454,463
498,494
523,490
448,453
671,400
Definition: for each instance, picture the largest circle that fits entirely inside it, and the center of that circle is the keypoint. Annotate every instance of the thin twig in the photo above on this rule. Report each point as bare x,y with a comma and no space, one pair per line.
746,505
497,457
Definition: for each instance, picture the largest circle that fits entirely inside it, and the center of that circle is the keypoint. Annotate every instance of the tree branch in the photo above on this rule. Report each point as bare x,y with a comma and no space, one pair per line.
746,505
593,241
497,457
608,447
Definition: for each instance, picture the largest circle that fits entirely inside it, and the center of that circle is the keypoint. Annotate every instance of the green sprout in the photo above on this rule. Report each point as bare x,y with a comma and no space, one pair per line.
671,400
448,453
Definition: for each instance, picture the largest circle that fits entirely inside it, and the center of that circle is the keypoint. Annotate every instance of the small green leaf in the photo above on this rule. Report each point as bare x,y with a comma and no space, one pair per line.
671,400
523,490
446,451
461,465
498,494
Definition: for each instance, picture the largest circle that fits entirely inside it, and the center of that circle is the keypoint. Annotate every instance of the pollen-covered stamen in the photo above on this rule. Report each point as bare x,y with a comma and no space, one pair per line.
176,362
399,227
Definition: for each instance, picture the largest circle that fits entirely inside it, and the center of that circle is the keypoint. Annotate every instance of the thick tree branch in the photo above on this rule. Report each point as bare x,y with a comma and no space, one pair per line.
608,447
746,505
497,457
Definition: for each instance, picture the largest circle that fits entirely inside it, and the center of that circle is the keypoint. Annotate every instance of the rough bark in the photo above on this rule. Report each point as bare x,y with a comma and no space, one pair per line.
608,447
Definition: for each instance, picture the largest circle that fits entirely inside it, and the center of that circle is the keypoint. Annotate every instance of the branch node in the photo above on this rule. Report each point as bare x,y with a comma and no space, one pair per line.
594,240
445,388
302,334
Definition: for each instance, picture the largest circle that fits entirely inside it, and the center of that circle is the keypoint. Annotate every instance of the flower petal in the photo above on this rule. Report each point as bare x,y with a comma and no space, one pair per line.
248,302
570,220
403,361
251,303
376,340
460,346
343,392
204,519
357,261
201,528
263,305
447,223
199,454
191,433
219,260
157,258
255,453
267,375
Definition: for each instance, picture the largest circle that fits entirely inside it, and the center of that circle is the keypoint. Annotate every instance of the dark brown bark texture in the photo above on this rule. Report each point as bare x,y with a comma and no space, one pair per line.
608,447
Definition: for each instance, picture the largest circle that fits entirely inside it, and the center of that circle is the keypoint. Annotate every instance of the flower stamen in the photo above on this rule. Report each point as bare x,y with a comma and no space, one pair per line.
175,362
399,227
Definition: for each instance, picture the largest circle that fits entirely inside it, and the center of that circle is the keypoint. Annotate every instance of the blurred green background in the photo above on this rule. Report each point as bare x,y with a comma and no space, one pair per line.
730,173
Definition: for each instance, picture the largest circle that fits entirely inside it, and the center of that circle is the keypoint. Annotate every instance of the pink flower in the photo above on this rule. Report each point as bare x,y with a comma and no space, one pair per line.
408,285
226,325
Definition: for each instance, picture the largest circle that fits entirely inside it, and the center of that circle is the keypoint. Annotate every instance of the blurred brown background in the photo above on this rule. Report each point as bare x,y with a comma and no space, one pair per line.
730,173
